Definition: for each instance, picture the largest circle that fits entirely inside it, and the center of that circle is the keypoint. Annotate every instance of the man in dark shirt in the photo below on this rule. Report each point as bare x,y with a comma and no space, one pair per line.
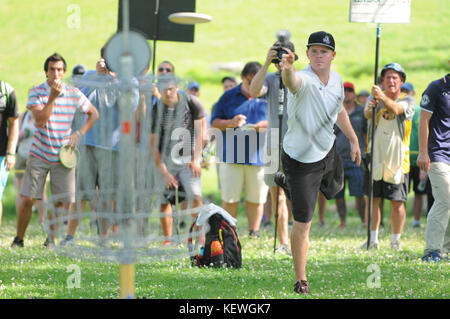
434,157
176,146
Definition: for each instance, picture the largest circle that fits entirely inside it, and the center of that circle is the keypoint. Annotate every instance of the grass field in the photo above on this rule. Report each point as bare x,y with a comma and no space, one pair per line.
337,269
241,31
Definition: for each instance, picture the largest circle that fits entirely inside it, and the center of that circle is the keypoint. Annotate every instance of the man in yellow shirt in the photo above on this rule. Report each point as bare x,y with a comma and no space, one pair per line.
395,110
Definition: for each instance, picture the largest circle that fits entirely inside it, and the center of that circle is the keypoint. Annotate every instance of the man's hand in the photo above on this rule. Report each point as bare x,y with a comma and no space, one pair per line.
56,89
355,153
287,62
73,138
195,167
271,55
377,93
423,161
101,67
368,111
10,161
238,120
171,181
372,104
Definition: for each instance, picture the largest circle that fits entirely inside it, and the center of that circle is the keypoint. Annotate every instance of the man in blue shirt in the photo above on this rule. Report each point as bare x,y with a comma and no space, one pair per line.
434,157
99,160
242,121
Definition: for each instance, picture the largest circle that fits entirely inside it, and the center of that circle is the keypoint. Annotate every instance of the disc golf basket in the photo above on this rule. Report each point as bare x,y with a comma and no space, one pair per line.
131,207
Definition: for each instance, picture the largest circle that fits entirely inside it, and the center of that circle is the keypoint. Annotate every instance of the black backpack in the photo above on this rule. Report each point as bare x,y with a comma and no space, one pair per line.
222,245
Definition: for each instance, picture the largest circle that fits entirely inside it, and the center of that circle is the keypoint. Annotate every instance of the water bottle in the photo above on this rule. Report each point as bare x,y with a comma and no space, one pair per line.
422,184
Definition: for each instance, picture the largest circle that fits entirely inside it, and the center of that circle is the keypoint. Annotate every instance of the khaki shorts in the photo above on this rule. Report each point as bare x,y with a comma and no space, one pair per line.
62,180
234,176
97,167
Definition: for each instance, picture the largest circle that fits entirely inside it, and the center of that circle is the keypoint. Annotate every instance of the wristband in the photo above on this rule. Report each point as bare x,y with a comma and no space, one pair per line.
9,153
78,133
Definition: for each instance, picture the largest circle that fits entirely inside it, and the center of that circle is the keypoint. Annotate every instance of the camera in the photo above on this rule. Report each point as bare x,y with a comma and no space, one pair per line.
283,37
280,51
283,42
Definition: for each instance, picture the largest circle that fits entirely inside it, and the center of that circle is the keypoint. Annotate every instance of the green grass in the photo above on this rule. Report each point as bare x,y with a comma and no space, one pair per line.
336,269
241,31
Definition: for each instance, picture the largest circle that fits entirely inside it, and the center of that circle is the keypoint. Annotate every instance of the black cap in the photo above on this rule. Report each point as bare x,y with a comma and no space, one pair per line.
78,69
321,38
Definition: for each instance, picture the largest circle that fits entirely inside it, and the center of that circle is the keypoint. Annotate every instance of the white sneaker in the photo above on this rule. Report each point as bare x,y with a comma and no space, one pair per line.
284,249
395,245
371,246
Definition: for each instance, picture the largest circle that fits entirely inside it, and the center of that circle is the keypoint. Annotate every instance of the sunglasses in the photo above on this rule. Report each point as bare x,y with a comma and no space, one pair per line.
169,70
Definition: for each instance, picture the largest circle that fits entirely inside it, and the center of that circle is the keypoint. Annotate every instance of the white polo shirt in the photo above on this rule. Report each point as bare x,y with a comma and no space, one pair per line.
312,113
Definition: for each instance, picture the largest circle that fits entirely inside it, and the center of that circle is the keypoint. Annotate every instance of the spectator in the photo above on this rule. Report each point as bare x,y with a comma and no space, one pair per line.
352,173
194,88
309,156
166,69
98,168
391,150
416,176
242,150
53,105
177,109
228,83
269,85
362,97
434,158
9,134
78,70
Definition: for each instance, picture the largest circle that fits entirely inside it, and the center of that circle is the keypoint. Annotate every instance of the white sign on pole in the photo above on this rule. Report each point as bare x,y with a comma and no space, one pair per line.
380,11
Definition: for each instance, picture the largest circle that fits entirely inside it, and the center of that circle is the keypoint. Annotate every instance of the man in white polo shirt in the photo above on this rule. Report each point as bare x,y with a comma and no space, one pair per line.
309,155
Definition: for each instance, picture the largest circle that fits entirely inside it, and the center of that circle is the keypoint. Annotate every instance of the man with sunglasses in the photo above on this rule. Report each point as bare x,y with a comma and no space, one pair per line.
177,111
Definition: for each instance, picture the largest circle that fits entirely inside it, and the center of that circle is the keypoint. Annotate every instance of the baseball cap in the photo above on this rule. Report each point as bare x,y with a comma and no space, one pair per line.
407,86
193,85
363,93
396,67
321,38
78,69
349,85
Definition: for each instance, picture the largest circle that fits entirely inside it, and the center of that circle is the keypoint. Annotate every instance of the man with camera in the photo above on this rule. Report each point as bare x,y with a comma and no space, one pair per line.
310,160
269,85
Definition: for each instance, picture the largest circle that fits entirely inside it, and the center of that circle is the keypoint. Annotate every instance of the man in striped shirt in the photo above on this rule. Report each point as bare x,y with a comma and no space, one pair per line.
53,105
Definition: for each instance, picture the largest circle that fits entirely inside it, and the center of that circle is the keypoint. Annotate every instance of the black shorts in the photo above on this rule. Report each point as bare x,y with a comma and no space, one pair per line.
395,192
382,189
306,179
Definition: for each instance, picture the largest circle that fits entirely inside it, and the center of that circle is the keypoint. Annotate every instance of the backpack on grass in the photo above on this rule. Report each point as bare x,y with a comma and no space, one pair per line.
222,245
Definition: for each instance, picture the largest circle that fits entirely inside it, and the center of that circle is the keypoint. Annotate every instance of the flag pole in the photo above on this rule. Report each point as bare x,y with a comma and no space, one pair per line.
370,209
